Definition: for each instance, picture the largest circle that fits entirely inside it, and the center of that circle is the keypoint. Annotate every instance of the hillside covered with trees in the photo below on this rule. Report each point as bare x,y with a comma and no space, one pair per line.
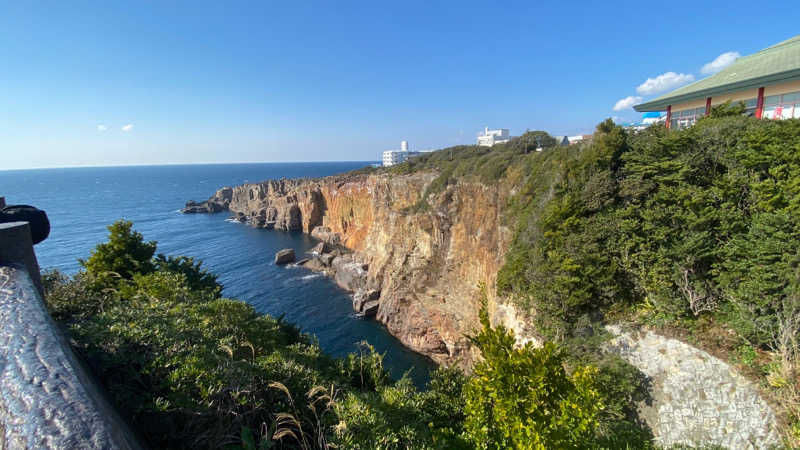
693,232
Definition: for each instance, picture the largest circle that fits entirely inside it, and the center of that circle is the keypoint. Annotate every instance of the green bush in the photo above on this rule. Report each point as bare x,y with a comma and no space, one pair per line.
523,398
124,255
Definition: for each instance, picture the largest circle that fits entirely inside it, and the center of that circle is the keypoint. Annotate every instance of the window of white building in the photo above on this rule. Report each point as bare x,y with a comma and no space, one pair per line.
686,117
785,106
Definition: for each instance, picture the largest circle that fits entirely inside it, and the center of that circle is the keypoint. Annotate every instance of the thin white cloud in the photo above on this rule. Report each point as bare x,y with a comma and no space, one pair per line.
720,62
102,128
664,82
127,127
627,102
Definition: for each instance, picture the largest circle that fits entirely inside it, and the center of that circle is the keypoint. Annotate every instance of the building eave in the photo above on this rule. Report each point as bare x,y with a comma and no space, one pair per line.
660,104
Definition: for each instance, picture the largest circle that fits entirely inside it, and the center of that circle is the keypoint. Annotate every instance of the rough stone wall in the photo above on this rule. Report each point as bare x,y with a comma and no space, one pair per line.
47,400
697,399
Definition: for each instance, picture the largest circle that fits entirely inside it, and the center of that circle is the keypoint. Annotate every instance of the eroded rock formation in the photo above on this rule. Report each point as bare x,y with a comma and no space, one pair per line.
425,266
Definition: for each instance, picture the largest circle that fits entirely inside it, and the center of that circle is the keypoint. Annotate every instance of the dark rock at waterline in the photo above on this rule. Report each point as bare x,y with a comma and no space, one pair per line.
362,297
370,308
313,263
284,256
205,207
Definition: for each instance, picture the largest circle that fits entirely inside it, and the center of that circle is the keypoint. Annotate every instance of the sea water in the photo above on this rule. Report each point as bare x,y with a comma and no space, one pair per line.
82,202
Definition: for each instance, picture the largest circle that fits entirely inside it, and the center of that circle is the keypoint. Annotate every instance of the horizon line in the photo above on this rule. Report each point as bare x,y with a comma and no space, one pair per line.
100,166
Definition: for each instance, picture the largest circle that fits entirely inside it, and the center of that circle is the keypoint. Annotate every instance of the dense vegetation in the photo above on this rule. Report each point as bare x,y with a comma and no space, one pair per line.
190,369
694,231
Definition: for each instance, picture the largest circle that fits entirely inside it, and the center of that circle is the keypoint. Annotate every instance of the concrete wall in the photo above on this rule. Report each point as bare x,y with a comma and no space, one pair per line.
48,399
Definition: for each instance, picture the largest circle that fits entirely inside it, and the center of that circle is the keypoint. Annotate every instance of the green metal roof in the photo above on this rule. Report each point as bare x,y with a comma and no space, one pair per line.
775,64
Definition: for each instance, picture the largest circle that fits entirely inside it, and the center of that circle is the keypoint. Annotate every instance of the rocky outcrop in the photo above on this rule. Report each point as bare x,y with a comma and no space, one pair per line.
284,256
425,265
218,203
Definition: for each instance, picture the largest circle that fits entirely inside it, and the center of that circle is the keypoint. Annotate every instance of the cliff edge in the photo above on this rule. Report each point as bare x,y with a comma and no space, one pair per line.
423,265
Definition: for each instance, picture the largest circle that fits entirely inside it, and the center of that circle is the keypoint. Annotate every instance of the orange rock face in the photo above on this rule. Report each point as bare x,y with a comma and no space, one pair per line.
427,265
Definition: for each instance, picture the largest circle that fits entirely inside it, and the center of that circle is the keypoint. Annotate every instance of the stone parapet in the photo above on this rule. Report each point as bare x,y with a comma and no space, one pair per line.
47,398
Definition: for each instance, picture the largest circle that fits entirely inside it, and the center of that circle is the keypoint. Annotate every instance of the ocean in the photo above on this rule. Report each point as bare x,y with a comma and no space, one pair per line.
82,202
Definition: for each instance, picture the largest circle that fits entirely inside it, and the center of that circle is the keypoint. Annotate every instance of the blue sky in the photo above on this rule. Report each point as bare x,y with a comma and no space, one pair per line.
199,81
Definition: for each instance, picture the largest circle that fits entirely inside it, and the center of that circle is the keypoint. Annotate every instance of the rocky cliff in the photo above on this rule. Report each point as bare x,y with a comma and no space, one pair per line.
423,265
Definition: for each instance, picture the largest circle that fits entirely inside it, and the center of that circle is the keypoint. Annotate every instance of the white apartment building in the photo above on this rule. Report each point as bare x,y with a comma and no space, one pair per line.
491,137
392,157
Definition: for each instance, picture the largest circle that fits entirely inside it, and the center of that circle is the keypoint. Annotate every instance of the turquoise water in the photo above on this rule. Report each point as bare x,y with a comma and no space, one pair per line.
81,202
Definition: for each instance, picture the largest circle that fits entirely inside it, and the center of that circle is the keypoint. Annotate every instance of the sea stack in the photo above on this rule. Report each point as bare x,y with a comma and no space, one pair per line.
284,256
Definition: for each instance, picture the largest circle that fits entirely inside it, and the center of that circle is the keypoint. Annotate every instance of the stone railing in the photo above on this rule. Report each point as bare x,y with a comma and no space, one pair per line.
48,399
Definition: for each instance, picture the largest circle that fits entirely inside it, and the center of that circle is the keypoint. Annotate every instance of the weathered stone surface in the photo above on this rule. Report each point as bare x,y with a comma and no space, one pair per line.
326,259
349,274
284,256
363,296
47,399
312,263
326,235
697,399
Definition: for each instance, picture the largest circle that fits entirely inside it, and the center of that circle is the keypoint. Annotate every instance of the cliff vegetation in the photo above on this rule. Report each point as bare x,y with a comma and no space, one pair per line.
191,369
693,232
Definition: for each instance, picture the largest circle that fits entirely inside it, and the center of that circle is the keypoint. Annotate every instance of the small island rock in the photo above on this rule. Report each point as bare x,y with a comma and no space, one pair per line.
284,256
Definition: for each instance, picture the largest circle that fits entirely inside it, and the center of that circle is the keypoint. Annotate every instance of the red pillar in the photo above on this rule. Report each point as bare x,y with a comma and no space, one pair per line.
669,115
760,103
708,105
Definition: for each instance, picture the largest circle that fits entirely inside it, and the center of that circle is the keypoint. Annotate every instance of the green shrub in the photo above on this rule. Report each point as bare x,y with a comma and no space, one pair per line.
124,255
523,398
196,277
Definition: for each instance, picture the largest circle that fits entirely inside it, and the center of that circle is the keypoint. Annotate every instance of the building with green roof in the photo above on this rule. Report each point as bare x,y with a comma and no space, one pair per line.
768,82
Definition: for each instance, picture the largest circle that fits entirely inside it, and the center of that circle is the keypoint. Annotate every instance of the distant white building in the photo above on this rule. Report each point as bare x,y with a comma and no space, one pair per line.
575,139
491,137
579,138
392,157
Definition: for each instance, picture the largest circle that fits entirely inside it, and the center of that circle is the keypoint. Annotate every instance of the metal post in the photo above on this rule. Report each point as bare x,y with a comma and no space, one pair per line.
16,247
760,103
669,116
2,202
